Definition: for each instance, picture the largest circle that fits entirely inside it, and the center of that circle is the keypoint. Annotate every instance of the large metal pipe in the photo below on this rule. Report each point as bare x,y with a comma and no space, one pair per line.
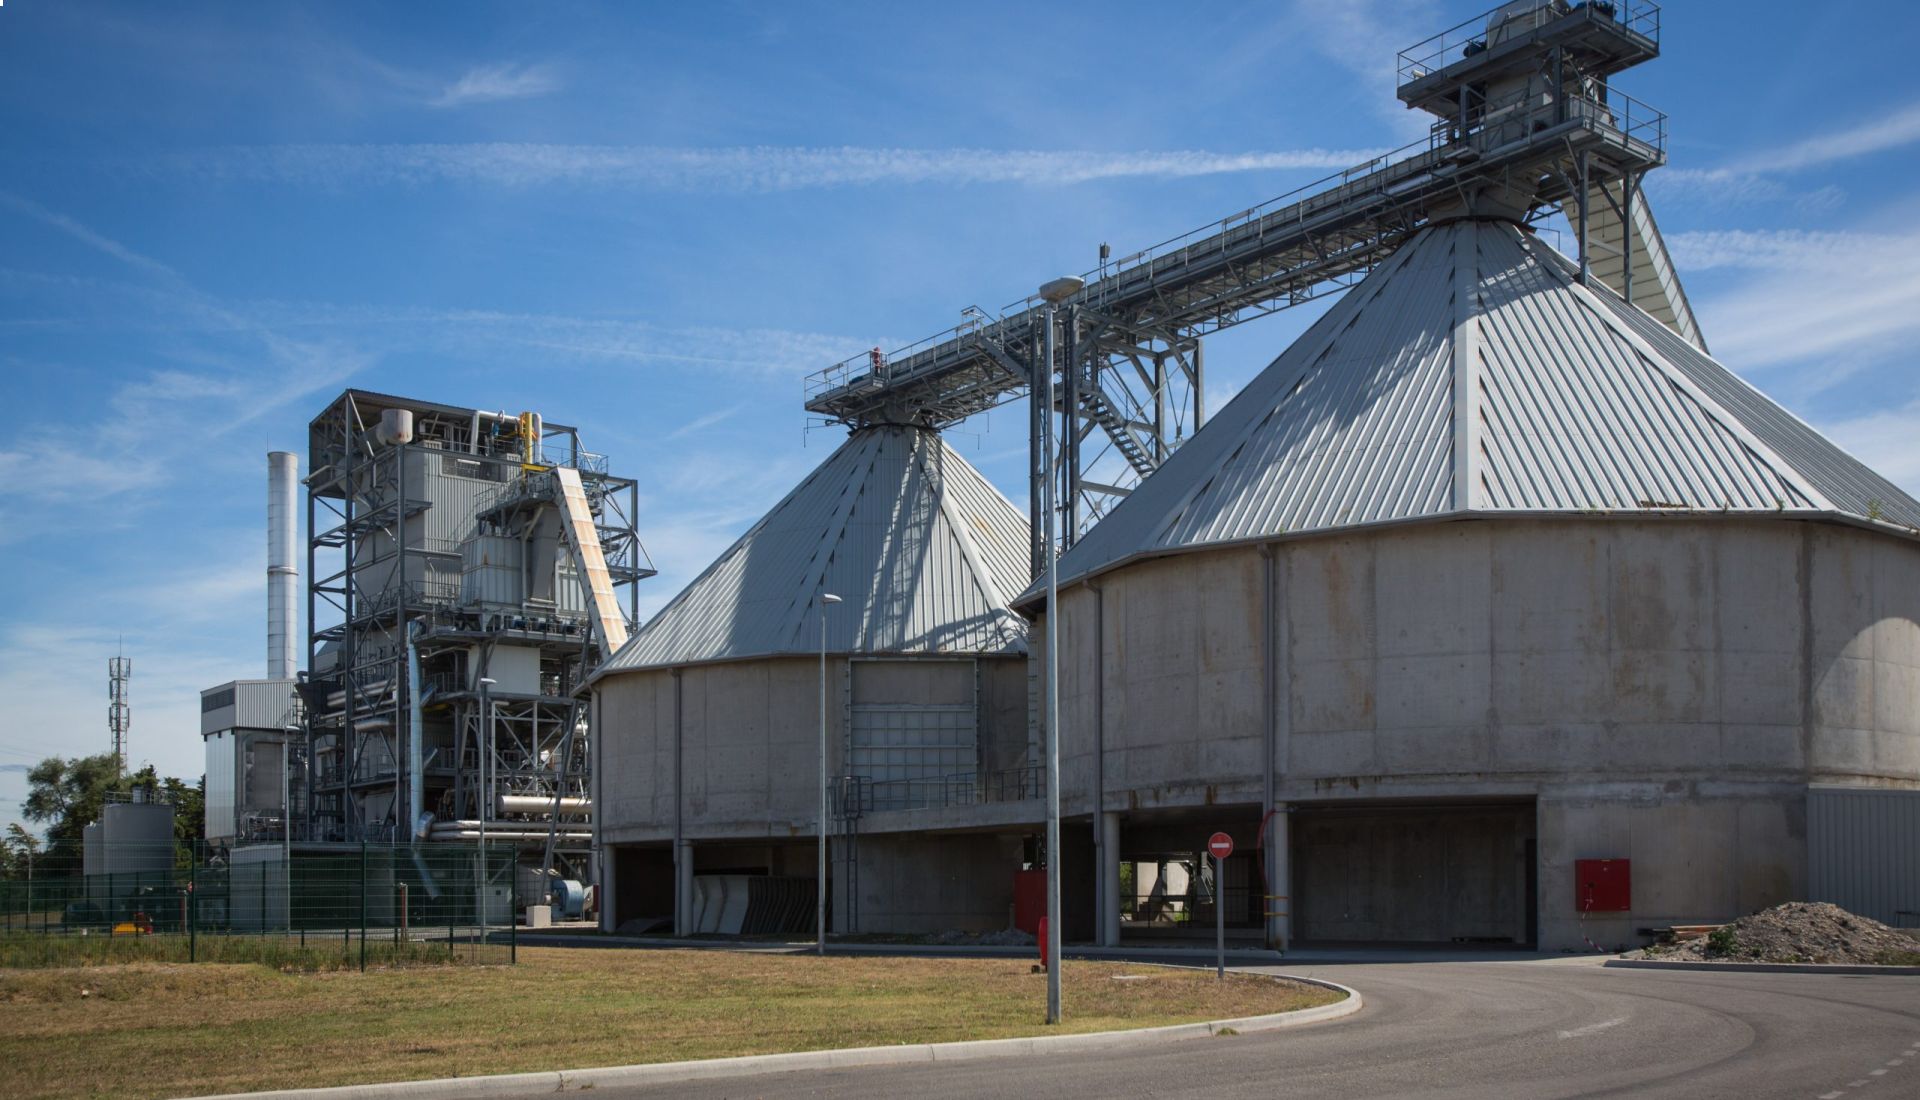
416,731
541,804
283,473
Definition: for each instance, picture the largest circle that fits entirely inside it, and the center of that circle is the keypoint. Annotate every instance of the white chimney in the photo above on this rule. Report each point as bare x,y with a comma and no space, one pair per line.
283,475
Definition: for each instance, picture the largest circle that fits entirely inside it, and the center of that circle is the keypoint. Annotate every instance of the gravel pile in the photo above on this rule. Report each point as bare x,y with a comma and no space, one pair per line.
1796,932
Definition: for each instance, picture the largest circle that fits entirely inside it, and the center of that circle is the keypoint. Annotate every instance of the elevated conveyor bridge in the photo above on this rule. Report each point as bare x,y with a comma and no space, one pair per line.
1527,125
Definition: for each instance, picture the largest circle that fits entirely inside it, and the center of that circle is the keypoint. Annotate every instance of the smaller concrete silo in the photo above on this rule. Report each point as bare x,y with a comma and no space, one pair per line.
711,714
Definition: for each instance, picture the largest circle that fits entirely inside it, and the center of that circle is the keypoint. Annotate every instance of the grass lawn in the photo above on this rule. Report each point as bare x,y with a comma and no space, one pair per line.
161,1029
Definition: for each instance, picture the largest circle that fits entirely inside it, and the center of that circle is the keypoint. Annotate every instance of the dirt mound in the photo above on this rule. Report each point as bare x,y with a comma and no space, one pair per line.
1797,932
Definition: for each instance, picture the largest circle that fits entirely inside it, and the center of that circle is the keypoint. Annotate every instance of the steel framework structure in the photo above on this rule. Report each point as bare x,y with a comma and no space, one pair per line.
1527,125
393,523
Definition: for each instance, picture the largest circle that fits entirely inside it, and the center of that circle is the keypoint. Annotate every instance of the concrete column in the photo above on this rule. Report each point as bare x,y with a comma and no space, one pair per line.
683,889
1280,903
609,920
1109,880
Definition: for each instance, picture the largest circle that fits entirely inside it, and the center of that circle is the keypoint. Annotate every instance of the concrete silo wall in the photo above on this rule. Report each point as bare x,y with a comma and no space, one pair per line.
748,782
749,740
1660,690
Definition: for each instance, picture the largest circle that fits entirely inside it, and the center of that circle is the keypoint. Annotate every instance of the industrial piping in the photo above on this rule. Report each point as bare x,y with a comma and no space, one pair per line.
416,726
283,473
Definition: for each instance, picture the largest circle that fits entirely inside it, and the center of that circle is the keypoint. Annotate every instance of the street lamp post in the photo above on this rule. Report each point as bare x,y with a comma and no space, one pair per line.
820,854
1053,292
486,795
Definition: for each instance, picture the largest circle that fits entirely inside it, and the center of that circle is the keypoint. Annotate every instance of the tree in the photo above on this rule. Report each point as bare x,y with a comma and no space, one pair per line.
69,793
17,851
72,793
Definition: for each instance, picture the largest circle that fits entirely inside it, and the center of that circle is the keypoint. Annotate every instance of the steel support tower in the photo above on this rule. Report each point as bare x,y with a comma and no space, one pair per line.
119,709
443,586
1527,125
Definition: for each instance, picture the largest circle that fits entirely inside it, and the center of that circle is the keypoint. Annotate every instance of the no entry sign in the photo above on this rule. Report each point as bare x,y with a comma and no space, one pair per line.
1219,845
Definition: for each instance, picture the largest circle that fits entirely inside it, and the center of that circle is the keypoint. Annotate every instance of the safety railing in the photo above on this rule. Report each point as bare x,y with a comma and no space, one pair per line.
1489,28
854,796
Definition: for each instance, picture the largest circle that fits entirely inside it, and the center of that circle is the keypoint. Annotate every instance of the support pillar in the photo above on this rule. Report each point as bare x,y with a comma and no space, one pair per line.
1109,910
682,889
1280,905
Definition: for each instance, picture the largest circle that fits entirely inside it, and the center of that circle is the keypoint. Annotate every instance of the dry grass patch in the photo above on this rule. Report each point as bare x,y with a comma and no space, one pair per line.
152,1029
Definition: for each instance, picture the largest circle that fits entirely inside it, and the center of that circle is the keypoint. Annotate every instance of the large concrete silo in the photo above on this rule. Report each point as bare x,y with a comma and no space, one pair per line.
709,756
1487,575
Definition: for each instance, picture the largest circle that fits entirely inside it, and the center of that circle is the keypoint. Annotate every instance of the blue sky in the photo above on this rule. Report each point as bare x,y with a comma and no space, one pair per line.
653,220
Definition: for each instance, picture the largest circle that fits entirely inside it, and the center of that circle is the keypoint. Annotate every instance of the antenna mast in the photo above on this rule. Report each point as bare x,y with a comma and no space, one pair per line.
119,712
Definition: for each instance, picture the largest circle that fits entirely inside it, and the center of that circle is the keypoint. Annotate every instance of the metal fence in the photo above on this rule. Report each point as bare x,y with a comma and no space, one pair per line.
308,907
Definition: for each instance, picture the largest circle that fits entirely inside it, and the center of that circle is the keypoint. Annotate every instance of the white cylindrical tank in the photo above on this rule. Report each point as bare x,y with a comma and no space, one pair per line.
283,475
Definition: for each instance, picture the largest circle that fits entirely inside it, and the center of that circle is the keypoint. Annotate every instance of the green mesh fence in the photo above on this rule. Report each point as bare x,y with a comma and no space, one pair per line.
315,907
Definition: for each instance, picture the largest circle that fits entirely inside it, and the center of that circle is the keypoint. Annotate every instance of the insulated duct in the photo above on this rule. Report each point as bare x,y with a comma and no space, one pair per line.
283,472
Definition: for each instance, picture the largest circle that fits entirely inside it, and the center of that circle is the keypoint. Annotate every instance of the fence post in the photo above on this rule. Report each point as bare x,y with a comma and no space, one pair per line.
193,911
363,907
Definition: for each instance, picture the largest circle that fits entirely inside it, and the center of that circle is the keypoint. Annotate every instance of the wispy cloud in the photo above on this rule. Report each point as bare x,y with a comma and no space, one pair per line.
161,412
744,169
1884,441
490,83
1364,37
702,423
96,241
1757,177
1832,299
1899,129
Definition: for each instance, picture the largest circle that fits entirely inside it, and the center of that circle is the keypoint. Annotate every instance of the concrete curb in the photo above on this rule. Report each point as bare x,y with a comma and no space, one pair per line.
666,1073
1762,968
1241,956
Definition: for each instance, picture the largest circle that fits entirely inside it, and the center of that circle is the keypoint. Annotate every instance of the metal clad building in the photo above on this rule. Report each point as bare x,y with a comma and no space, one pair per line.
1863,852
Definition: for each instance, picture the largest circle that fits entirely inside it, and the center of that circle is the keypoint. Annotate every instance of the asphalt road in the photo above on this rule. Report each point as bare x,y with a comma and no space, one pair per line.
1546,1028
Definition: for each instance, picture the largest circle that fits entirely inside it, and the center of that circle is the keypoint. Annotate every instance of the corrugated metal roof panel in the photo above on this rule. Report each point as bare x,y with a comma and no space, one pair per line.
1566,399
922,549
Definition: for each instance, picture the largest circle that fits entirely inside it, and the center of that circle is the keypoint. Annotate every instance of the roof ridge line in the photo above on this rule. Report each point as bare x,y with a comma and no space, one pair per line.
963,534
1712,409
837,529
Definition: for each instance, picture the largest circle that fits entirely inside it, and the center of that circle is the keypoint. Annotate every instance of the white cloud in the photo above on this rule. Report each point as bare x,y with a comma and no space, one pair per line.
746,169
702,423
491,83
1365,37
1898,129
1832,299
96,241
1884,441
1754,178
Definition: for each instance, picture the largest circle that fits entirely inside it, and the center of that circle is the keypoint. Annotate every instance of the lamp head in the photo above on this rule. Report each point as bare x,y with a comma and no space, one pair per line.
1059,290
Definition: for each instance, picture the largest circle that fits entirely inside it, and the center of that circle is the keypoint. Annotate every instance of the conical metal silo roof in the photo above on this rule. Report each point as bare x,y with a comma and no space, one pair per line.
922,549
1473,374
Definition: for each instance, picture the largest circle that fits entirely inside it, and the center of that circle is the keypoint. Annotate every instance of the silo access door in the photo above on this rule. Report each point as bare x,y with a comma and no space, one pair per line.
1451,874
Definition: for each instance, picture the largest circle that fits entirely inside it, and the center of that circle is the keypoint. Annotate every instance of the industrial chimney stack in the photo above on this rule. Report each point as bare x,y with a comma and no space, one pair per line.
283,475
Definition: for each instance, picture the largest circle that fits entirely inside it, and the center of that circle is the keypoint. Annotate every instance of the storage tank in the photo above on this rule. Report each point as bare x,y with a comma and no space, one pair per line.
136,838
1487,575
710,717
